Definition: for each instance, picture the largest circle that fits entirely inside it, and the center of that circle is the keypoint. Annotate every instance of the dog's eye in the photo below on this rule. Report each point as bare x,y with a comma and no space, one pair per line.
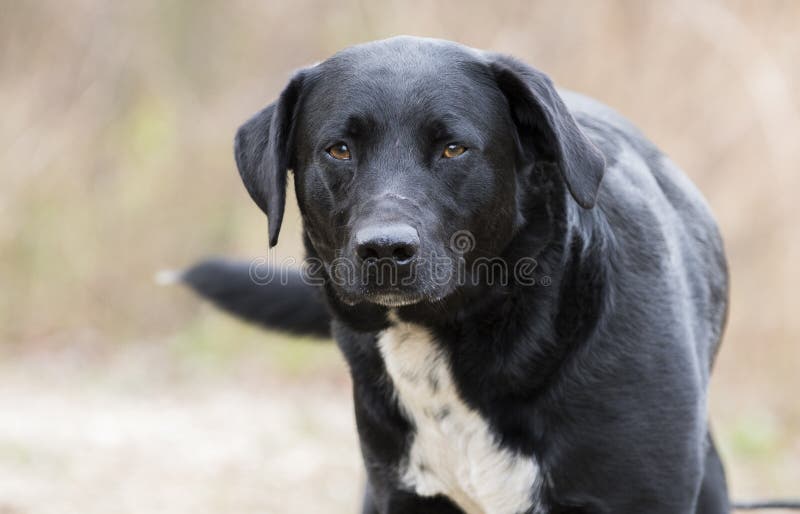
339,151
453,150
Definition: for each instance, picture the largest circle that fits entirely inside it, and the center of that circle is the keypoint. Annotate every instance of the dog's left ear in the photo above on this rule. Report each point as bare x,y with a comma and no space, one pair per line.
546,126
263,150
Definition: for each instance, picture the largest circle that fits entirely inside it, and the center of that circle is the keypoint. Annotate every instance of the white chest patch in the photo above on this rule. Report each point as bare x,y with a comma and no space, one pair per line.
453,452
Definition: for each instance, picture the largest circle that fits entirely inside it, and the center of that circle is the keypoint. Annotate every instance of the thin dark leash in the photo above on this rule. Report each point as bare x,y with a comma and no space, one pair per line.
771,504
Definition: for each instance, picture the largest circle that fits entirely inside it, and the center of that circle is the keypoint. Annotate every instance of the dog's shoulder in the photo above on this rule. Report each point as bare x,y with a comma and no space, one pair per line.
662,230
633,160
640,179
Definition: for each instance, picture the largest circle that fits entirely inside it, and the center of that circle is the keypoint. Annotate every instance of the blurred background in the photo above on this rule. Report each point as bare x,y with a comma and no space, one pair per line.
116,128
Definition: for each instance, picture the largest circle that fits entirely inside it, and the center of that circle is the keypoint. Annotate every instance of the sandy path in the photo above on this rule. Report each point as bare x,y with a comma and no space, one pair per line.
115,440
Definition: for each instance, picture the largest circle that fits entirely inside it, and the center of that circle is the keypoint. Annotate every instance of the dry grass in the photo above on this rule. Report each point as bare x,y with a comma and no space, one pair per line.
115,161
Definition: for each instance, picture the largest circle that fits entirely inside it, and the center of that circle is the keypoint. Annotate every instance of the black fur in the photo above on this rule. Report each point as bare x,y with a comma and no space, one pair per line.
600,369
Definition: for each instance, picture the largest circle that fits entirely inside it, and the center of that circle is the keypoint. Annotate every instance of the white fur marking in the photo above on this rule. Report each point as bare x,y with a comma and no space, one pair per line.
453,452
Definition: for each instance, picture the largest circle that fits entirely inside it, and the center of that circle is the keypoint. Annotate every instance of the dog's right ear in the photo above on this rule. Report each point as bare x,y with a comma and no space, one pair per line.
264,154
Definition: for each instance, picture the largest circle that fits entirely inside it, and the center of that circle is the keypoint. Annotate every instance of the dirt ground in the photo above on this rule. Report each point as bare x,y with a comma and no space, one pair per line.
128,434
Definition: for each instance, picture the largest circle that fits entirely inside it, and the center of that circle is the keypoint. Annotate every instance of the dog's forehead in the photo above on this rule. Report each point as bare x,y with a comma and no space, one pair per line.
401,73
403,54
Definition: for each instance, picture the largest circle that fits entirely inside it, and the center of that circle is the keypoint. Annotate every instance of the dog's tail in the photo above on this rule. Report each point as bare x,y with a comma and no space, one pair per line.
286,303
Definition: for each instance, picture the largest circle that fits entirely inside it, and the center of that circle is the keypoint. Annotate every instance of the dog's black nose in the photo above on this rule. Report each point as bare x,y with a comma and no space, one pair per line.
398,242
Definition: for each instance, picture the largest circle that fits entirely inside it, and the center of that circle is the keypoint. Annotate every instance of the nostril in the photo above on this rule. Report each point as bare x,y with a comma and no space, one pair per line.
403,253
367,252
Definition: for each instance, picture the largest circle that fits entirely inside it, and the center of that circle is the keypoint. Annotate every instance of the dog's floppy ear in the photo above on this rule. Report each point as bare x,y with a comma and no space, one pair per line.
263,149
547,127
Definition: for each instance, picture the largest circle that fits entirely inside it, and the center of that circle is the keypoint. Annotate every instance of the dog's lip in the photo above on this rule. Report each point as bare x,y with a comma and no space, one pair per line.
394,299
384,297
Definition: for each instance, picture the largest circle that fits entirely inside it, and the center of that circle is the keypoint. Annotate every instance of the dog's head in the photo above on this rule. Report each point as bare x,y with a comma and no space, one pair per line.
407,155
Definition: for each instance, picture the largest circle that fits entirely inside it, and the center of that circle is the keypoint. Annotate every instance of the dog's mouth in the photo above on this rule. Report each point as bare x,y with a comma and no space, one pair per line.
394,299
386,298
391,297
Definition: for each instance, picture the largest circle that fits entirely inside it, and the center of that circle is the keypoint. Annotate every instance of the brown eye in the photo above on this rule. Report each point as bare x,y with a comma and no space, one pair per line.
453,150
339,151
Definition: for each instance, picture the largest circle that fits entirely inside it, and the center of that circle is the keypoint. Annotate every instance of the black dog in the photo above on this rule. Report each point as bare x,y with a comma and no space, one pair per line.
430,176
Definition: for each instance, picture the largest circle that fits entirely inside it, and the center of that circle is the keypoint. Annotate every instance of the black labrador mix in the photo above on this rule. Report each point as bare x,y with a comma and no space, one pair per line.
529,295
